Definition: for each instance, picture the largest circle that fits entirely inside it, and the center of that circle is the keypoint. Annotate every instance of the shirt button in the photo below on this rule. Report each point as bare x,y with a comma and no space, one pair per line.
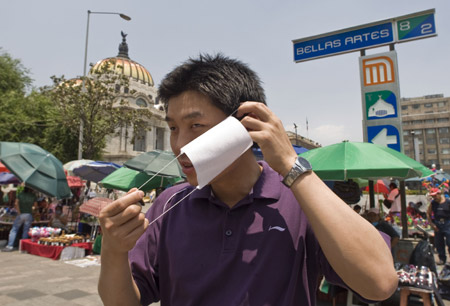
228,233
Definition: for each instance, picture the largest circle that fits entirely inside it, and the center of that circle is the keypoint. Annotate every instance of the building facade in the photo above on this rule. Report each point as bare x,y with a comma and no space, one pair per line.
140,92
302,141
426,130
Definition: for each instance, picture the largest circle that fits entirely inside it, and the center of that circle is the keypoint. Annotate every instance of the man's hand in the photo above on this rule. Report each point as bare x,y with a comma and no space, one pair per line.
123,223
267,130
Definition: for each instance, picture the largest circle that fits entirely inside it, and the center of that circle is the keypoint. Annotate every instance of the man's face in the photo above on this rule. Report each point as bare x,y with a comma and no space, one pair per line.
189,115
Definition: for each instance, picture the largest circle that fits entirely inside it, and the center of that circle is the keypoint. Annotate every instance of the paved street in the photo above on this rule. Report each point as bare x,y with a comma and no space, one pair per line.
33,280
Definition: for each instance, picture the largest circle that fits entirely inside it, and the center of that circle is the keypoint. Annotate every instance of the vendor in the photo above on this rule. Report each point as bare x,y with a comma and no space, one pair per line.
58,220
374,217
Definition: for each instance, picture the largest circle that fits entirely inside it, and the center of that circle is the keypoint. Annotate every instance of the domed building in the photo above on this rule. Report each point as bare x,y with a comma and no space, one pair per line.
139,93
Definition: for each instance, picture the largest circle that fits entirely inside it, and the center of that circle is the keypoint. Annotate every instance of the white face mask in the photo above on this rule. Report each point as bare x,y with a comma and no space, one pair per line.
216,149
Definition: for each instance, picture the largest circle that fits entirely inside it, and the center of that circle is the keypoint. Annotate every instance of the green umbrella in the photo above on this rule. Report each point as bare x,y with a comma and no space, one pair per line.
124,179
36,167
156,161
348,160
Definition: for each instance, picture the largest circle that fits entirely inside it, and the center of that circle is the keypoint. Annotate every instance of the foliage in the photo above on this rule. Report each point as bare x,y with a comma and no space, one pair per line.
94,102
13,75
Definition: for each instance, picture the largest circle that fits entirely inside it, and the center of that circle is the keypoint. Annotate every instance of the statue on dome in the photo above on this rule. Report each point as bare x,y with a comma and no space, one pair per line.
123,47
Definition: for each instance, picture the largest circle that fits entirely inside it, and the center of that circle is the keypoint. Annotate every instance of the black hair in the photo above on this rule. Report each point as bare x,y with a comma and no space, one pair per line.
227,82
392,185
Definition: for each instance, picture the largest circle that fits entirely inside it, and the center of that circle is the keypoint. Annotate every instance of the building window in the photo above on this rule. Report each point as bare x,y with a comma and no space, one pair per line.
139,141
442,103
126,90
141,102
444,140
417,121
432,161
405,133
428,105
429,121
431,151
443,130
406,152
418,132
431,131
405,142
159,139
117,88
420,141
416,106
445,151
442,120
431,141
446,161
404,107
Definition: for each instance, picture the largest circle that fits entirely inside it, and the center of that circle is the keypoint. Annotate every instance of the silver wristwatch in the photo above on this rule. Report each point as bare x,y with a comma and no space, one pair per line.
301,166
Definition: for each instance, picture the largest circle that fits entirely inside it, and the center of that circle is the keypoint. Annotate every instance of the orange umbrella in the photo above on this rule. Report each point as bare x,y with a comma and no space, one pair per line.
94,205
3,168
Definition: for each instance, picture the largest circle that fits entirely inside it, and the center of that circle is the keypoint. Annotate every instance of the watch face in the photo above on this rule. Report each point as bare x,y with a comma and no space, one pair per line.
304,163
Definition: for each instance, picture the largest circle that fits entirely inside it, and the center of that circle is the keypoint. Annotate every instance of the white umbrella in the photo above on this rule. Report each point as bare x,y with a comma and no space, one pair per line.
75,164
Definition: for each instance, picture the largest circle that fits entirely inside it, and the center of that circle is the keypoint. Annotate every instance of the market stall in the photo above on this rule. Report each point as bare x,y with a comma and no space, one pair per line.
54,247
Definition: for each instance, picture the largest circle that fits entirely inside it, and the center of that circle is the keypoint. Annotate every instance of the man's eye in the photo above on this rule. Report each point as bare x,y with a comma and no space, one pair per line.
196,125
172,128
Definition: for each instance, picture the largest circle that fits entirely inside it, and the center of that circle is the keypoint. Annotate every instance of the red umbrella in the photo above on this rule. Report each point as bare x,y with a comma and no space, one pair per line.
75,181
3,168
94,205
379,187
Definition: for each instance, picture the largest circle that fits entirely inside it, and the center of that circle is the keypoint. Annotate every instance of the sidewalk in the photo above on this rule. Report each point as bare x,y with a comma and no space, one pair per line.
33,280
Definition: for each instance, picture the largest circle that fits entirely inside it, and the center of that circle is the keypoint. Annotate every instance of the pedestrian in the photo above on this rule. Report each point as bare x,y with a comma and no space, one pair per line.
260,233
438,215
393,198
24,204
373,216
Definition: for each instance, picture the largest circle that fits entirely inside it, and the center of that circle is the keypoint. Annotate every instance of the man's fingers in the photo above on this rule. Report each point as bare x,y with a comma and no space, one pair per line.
119,205
256,110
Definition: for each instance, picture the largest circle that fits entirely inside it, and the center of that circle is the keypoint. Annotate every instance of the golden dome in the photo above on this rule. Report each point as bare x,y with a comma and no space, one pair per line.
122,64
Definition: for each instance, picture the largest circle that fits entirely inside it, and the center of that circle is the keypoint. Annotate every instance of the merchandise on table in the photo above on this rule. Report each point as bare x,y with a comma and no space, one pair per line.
63,240
413,276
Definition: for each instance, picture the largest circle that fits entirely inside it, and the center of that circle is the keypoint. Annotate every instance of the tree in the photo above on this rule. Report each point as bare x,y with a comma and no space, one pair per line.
30,118
13,75
95,101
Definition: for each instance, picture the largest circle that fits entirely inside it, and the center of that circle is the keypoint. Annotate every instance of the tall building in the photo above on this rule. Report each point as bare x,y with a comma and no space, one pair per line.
426,130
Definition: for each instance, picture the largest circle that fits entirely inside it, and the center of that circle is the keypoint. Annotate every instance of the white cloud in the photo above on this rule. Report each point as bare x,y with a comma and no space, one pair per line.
329,134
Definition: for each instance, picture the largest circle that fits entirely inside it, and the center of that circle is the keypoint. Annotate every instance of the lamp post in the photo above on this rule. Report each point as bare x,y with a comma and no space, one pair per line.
123,16
296,139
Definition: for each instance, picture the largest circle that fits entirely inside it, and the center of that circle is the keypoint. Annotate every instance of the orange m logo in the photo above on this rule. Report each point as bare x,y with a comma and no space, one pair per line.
378,70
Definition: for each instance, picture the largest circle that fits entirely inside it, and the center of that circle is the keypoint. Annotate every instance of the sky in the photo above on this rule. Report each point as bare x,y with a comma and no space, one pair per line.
49,38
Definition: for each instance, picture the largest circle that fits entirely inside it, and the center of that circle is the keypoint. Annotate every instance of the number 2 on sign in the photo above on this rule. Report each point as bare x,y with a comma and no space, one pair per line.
426,28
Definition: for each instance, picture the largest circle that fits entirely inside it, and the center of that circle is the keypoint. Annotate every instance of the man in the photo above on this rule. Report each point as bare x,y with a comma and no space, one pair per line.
438,215
24,204
394,199
373,216
246,238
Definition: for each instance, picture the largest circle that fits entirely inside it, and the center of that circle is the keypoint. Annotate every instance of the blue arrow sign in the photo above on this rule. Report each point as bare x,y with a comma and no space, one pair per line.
384,135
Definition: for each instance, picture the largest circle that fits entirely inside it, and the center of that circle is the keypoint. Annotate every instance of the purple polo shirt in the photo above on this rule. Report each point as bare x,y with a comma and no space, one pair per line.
260,252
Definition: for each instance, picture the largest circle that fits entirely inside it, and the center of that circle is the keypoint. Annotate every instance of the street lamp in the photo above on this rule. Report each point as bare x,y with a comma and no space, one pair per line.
296,139
123,16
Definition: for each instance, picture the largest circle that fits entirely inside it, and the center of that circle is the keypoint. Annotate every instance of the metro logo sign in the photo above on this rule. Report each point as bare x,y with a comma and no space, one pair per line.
378,70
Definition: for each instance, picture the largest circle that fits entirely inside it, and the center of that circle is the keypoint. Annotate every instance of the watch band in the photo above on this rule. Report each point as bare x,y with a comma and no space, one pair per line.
300,167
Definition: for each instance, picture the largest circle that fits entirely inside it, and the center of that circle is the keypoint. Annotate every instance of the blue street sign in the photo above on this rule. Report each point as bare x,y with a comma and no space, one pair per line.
333,44
384,135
